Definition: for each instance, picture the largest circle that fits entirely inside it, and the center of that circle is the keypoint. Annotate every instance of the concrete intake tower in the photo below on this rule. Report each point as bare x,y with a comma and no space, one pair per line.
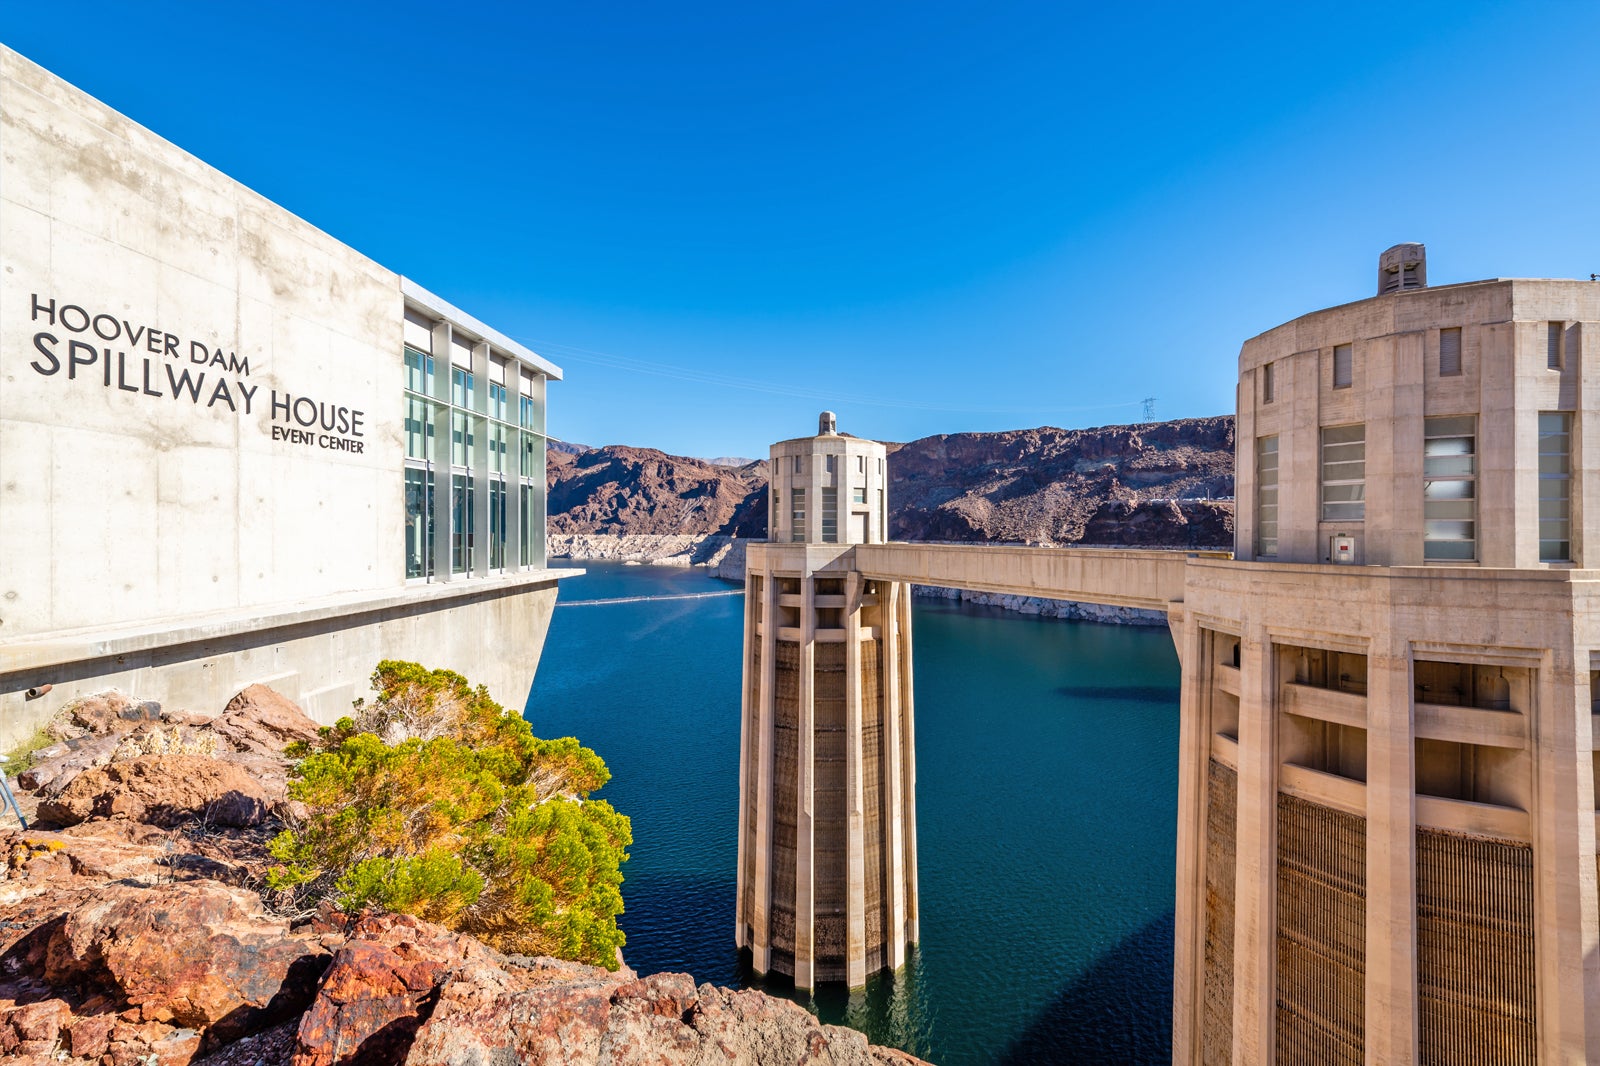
827,773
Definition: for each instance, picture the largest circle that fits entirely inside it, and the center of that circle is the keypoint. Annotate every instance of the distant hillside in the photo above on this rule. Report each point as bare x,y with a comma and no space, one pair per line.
1166,484
621,490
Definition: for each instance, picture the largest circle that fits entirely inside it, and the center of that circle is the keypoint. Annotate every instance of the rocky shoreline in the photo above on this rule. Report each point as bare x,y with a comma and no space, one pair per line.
724,557
135,930
1045,608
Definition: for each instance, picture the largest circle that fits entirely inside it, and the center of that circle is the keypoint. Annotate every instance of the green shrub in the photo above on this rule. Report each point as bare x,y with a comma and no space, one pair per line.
475,824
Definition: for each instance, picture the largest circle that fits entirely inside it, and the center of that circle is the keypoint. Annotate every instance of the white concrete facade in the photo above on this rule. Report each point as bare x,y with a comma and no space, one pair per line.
203,433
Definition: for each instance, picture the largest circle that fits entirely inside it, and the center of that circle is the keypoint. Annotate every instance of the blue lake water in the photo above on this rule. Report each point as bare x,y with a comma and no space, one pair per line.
1047,790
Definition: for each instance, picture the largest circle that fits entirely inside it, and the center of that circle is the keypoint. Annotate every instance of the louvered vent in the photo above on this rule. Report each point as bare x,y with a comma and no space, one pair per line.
1405,266
1343,366
1449,352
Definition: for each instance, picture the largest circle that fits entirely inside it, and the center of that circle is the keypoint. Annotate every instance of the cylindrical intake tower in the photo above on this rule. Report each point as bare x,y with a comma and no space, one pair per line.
827,776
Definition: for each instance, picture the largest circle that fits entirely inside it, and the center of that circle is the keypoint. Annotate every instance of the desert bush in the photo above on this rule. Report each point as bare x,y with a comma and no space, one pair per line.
464,818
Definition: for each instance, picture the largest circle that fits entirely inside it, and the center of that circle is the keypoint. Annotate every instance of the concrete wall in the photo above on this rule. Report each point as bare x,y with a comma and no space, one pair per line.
803,464
201,451
1533,787
321,657
130,494
1504,381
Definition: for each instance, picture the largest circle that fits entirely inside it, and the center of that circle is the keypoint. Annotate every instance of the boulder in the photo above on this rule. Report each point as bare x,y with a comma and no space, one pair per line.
564,1014
260,720
162,790
95,715
379,987
51,775
197,956
33,1028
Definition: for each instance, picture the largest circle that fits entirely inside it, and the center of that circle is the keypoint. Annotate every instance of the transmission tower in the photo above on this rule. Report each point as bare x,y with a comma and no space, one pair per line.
1149,408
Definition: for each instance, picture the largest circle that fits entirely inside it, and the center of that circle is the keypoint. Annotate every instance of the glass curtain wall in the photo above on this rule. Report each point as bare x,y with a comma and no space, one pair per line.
456,450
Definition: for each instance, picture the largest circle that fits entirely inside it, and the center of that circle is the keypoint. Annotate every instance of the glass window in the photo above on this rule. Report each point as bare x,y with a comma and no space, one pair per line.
797,514
461,387
1268,384
497,401
532,452
461,438
1267,496
421,417
498,448
858,494
1449,488
1344,473
797,469
1552,346
1555,486
830,515
828,463
532,524
462,523
419,523
419,372
497,524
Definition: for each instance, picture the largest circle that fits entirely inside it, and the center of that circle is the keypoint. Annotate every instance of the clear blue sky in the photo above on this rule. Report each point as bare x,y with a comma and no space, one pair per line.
719,219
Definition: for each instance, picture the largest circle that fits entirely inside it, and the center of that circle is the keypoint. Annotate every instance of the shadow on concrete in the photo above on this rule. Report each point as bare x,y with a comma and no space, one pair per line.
1108,1017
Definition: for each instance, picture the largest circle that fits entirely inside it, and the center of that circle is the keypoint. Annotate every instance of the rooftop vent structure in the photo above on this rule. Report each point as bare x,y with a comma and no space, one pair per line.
1405,266
827,424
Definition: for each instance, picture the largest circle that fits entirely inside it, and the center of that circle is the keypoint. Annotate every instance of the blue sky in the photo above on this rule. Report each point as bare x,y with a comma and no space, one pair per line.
719,219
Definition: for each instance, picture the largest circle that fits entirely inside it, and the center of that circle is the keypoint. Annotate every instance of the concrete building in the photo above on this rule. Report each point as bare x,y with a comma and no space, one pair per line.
233,449
1387,787
827,884
1386,844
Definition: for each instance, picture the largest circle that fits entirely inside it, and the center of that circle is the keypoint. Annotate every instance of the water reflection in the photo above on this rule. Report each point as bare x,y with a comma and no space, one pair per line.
892,1009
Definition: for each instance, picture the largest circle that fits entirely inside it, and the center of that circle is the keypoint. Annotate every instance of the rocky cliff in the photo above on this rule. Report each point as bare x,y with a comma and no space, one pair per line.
132,933
1165,484
618,490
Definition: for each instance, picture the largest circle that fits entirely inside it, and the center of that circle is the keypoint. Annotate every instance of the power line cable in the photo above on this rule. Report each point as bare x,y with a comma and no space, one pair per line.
704,377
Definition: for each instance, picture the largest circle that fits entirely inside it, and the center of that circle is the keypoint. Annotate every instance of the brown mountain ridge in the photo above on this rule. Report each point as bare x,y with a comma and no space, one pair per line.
1161,484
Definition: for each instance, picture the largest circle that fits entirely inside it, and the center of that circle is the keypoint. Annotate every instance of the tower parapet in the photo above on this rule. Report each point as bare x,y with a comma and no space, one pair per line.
829,489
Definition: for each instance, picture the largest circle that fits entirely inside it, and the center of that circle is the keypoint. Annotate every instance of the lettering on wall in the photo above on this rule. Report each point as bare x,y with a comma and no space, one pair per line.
74,343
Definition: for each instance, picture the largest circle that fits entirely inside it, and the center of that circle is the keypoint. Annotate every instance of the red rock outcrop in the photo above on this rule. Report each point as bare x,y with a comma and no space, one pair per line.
162,790
125,943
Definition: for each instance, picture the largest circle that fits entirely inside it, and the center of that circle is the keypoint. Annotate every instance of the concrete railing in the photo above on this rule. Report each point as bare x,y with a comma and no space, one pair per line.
1119,577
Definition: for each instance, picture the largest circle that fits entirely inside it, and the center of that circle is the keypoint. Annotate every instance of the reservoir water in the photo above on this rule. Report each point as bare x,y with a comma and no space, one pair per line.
1047,790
